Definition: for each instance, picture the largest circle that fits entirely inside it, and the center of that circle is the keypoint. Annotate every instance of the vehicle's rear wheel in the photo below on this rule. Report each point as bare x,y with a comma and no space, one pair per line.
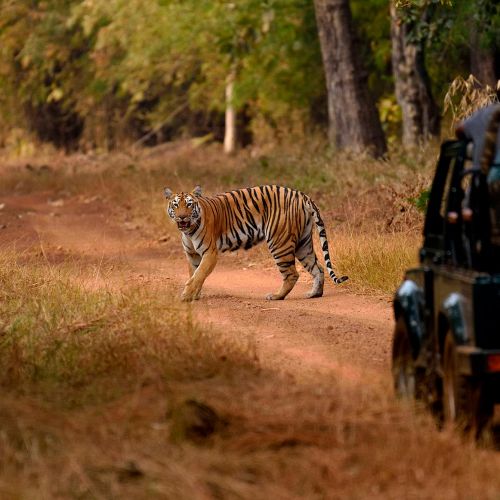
466,400
403,365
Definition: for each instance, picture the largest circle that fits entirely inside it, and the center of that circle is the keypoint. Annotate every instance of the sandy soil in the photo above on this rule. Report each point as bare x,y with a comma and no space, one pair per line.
302,337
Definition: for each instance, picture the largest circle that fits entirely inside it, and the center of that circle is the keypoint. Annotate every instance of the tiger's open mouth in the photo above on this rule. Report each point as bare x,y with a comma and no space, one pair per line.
183,225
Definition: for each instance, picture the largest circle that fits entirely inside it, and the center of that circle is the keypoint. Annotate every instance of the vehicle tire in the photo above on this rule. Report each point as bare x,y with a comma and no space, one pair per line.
403,366
466,400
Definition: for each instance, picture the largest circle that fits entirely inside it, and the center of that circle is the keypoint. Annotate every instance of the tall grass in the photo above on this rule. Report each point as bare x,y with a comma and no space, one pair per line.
375,262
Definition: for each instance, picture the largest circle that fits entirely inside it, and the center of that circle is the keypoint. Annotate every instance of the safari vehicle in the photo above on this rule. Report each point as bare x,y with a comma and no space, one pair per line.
446,345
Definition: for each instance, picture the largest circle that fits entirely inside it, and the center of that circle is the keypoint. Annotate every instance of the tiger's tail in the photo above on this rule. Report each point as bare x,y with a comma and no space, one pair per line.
324,244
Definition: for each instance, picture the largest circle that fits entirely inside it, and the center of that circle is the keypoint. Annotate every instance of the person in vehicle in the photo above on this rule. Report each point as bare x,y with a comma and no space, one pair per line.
482,128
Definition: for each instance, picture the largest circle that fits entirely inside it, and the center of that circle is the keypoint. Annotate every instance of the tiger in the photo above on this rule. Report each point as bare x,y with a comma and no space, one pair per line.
242,218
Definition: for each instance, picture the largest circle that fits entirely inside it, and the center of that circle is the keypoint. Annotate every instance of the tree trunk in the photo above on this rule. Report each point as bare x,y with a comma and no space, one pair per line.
354,123
482,60
483,56
230,120
420,113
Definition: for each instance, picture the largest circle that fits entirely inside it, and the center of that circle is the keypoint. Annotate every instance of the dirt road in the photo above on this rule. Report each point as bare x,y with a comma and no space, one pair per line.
302,337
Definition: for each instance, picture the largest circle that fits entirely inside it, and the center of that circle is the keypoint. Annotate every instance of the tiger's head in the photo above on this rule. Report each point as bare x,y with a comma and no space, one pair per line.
183,208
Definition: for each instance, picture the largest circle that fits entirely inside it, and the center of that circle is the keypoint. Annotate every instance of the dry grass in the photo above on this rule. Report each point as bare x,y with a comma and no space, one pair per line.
114,392
58,332
94,390
466,95
375,262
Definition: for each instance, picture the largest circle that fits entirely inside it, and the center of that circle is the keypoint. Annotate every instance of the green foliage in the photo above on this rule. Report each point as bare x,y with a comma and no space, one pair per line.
373,26
99,72
121,62
444,27
420,202
390,117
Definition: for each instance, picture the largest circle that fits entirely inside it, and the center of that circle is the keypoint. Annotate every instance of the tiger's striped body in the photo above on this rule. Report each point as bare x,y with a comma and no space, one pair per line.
283,217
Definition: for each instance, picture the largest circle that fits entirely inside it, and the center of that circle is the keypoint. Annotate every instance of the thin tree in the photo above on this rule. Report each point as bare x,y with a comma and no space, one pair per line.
230,116
420,114
354,123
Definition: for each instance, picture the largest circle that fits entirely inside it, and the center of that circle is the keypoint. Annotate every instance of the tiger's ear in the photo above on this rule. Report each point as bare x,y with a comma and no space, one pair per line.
167,192
197,191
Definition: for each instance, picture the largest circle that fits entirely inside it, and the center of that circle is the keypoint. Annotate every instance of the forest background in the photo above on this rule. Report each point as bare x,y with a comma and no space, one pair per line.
99,75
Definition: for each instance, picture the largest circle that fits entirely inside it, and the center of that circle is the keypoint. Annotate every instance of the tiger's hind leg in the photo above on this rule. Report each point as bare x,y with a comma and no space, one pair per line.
307,257
285,260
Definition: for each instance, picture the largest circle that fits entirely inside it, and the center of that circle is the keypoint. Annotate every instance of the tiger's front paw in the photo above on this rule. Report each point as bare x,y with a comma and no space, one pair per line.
274,296
186,297
190,293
